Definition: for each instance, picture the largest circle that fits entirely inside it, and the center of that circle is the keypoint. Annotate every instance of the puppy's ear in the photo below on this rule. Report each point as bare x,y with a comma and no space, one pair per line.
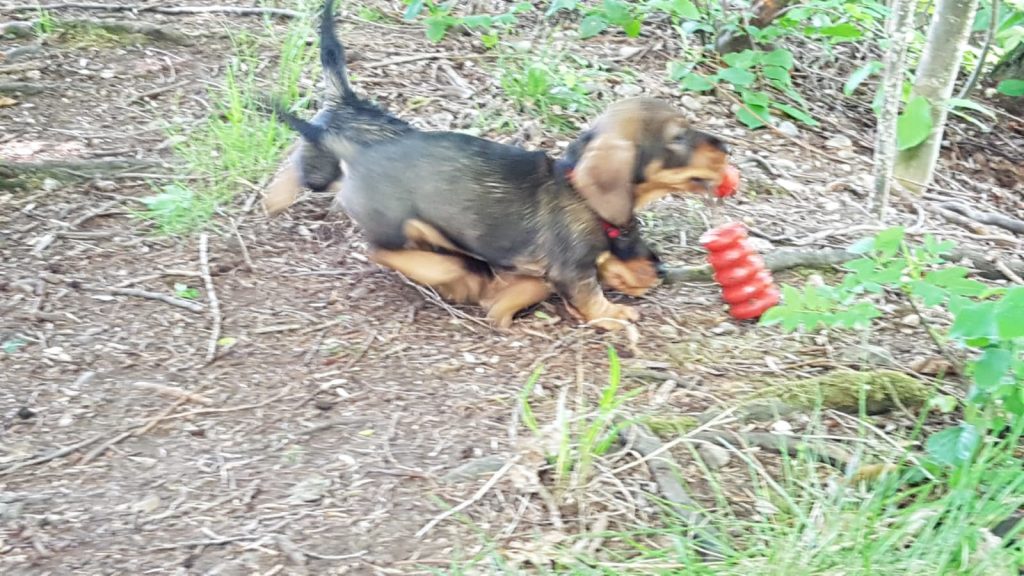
604,177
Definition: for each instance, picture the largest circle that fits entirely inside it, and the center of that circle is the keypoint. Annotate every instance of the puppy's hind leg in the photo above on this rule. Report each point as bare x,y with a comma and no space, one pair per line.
450,275
507,296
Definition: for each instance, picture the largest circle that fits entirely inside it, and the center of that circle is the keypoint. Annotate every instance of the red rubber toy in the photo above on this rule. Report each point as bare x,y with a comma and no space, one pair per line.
730,182
747,286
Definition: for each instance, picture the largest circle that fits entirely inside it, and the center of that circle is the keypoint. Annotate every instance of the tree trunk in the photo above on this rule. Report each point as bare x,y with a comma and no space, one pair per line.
898,29
934,80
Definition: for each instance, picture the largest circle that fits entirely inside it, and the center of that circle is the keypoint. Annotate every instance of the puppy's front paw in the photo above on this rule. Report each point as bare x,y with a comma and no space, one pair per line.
631,277
614,317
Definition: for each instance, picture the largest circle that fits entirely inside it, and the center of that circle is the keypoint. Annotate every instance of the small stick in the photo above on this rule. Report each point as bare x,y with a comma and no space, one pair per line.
467,503
190,306
59,453
157,91
174,391
241,11
211,295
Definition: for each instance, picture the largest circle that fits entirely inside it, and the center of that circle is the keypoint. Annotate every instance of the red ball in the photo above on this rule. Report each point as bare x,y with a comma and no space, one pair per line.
730,182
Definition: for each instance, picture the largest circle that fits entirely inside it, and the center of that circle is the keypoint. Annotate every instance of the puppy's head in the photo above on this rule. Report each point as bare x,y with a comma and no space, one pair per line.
639,150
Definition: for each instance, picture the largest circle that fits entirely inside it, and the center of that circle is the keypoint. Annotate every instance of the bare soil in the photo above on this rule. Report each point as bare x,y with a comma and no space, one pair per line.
319,439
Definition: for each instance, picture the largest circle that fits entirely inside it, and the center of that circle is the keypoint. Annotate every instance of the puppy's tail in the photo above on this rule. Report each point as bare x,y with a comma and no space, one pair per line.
332,55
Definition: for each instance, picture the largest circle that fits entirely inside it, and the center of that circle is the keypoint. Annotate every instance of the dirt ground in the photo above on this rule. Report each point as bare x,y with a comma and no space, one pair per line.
320,438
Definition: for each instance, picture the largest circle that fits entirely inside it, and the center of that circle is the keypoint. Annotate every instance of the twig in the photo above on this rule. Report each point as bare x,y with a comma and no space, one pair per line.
830,454
991,218
241,11
665,472
59,453
466,503
211,296
22,88
173,391
777,260
80,168
187,305
157,91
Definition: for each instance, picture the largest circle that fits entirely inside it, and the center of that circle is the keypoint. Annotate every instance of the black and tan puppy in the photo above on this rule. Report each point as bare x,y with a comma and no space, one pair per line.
523,213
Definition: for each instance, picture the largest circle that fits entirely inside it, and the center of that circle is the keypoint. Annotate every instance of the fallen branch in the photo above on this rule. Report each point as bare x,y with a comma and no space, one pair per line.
77,168
666,472
830,454
991,218
785,258
58,453
173,391
211,295
21,88
466,503
166,299
241,11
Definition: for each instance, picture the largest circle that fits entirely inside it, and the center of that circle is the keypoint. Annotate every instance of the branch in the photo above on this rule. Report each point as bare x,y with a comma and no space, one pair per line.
79,168
992,218
986,265
241,11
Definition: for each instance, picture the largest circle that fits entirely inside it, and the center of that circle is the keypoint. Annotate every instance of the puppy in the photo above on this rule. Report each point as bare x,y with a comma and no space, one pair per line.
526,215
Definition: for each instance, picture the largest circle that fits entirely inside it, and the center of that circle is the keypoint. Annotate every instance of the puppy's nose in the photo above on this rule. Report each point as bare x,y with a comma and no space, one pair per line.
660,269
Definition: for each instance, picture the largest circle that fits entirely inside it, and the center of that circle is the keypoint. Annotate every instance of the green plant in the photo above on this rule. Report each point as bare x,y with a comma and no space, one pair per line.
550,86
238,144
988,321
440,19
748,72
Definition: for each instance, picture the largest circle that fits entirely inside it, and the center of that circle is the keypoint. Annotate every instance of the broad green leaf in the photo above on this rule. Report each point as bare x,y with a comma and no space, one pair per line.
938,247
778,75
437,27
1011,87
991,367
953,446
929,293
557,5
970,105
741,60
860,265
686,9
737,77
888,241
1010,314
756,98
953,278
478,21
796,113
781,58
632,27
696,83
413,10
841,32
617,12
753,117
974,320
592,26
860,75
891,272
914,124
862,246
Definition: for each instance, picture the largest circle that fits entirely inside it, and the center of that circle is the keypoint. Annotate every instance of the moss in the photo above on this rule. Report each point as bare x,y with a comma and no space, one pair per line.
670,427
841,390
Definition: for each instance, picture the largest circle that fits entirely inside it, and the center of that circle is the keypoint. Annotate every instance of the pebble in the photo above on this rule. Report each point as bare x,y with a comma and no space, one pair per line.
839,141
911,320
724,328
474,468
715,457
628,90
691,103
782,427
50,185
788,128
311,489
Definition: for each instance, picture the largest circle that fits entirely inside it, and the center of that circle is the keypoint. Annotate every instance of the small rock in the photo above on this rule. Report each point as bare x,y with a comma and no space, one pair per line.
790,186
932,366
26,413
57,354
147,505
628,90
629,51
691,103
782,427
668,331
724,328
522,46
788,128
911,320
311,489
65,421
868,354
839,141
474,468
784,164
50,185
715,457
